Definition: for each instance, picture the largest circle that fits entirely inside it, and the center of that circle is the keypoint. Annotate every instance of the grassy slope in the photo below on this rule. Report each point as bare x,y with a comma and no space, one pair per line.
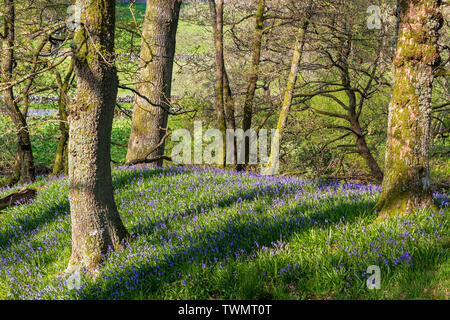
209,234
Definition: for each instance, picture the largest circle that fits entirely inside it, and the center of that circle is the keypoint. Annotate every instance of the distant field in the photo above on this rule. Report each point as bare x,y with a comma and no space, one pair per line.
123,11
192,39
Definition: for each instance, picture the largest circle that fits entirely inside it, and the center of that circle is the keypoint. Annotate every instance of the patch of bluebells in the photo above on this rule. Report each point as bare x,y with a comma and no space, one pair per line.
186,223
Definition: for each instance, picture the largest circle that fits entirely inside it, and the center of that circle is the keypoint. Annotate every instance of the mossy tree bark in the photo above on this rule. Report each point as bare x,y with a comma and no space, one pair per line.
24,170
224,98
229,101
253,75
96,224
272,164
406,182
217,24
149,123
229,109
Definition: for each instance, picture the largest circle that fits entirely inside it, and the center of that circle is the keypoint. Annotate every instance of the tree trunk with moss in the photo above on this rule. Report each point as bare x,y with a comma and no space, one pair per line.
24,167
272,164
229,101
96,223
217,24
406,183
149,123
253,75
229,109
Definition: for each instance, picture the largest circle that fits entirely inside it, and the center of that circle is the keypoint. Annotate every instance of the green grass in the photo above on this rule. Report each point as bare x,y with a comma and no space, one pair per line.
209,234
206,234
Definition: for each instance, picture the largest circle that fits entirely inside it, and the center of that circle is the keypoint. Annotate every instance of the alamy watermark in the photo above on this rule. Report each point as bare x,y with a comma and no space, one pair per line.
374,20
374,280
74,281
74,19
235,147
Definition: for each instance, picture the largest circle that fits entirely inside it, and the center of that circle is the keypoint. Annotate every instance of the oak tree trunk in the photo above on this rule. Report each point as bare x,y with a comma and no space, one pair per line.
149,123
406,182
229,110
253,75
229,101
217,24
96,224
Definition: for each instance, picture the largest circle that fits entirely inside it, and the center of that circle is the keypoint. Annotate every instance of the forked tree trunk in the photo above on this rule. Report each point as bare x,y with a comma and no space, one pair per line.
217,24
224,98
149,123
253,75
229,101
24,170
229,110
96,224
406,182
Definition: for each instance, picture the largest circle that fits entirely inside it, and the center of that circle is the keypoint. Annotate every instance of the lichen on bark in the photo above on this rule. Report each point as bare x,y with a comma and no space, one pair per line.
96,223
406,184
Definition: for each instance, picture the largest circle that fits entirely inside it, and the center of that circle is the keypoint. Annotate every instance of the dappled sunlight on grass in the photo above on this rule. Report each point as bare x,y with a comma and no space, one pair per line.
207,233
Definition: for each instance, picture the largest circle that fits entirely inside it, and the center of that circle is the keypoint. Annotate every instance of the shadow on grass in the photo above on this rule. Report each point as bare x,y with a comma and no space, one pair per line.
26,226
122,179
269,192
420,278
231,242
